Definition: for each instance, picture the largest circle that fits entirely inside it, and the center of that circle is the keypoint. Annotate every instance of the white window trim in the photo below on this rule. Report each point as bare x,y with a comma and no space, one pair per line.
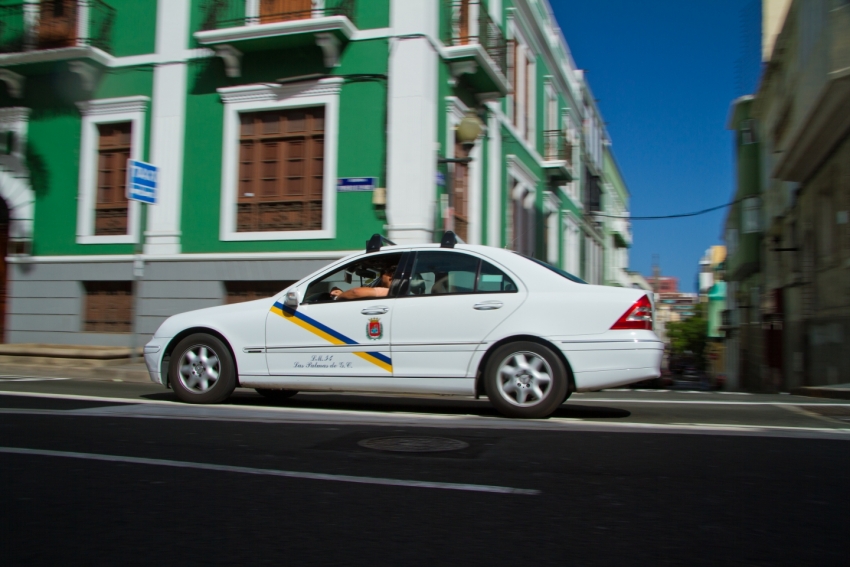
572,243
456,110
551,209
107,111
254,98
751,215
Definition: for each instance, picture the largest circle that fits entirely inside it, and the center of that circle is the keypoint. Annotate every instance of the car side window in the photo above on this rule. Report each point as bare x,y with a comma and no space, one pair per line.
493,280
364,272
441,273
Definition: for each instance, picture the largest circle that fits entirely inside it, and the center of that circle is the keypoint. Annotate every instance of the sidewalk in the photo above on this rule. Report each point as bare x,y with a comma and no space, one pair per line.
72,361
838,391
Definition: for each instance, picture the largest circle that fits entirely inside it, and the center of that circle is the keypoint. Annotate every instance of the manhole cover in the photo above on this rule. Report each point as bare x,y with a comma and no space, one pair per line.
413,444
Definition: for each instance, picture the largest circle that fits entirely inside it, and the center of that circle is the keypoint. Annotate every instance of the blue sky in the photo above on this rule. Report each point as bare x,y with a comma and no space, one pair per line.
664,73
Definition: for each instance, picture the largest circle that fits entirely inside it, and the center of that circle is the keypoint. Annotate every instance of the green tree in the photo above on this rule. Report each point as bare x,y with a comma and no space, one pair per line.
690,335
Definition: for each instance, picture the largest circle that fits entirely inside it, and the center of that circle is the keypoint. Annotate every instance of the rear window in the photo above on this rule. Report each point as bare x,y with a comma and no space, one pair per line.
558,271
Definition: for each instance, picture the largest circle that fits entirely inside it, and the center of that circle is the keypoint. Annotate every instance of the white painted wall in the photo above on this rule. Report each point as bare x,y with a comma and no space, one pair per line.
168,116
412,124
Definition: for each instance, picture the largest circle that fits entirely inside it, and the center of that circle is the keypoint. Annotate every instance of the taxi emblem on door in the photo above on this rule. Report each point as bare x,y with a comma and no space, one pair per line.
374,329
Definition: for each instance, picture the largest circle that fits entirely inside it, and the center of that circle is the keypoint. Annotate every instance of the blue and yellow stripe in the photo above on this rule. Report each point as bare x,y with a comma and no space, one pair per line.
333,337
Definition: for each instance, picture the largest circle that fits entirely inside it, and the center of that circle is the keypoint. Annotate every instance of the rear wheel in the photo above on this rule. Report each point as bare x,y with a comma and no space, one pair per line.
202,370
276,394
526,380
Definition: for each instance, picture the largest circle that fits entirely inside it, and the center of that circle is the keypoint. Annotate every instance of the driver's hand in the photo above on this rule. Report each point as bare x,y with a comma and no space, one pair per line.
336,292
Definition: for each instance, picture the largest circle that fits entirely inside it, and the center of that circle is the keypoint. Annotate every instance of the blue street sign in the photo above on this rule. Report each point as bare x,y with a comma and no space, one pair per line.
347,184
441,179
141,181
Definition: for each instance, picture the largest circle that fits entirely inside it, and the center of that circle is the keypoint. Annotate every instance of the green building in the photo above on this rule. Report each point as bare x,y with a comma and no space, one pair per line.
743,260
285,132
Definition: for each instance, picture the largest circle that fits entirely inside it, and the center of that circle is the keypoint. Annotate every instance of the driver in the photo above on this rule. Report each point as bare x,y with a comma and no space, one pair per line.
381,289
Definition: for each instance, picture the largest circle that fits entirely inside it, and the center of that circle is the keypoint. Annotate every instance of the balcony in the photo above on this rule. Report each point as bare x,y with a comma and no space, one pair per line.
475,47
56,31
238,26
621,231
557,156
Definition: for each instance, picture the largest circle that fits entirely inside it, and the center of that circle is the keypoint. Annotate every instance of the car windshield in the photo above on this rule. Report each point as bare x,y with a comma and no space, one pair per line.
558,271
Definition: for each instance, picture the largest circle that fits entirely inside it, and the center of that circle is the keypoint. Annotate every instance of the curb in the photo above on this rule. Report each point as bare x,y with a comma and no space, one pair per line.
136,374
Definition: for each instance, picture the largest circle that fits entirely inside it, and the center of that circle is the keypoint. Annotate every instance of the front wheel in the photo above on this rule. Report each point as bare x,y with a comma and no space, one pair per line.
202,370
526,380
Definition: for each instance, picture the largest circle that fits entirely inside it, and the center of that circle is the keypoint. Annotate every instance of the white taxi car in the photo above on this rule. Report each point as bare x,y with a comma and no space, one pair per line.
449,318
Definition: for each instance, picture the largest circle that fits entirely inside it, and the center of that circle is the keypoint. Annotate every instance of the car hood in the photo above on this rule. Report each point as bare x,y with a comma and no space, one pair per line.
209,316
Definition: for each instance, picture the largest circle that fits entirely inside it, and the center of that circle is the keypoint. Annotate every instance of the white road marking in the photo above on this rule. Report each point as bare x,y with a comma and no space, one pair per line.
739,427
578,400
160,409
706,402
272,472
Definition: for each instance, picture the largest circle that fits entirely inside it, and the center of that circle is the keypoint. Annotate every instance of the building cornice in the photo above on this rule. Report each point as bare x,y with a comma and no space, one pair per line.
270,92
14,114
211,257
311,25
114,105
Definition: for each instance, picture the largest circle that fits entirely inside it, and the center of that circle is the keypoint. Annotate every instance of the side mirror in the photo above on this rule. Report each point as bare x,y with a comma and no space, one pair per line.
292,300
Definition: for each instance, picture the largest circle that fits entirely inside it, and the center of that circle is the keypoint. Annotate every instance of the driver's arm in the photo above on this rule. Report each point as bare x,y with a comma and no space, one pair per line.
361,292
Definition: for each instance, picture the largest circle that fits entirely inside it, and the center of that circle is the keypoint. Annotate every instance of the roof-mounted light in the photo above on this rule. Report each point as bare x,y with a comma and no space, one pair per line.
374,244
449,240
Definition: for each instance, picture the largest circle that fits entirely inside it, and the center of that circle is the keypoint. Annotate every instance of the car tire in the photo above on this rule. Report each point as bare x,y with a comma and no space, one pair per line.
201,370
526,380
276,395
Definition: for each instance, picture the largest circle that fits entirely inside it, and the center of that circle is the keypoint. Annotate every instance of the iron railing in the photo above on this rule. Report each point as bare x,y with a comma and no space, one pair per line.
469,22
54,24
221,14
553,146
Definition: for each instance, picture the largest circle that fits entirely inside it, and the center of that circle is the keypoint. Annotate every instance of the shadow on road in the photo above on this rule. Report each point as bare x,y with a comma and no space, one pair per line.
392,404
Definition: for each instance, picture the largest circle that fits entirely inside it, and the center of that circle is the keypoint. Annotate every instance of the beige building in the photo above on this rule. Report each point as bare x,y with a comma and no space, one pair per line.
802,120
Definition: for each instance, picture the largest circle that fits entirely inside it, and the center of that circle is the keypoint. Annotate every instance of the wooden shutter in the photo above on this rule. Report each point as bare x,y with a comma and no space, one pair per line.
281,170
114,149
57,24
463,21
460,188
108,307
285,10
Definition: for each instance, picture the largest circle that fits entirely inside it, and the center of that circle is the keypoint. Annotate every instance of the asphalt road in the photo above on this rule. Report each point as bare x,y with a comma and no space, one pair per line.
121,473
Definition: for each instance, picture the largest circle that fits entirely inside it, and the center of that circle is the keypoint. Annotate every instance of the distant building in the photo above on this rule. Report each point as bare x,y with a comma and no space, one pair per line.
637,281
671,305
664,284
712,290
709,265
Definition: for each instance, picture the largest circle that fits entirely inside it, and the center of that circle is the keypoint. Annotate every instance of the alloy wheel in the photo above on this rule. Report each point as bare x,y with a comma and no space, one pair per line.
524,379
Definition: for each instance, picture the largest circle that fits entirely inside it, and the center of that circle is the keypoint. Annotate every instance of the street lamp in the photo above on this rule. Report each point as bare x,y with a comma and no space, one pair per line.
467,132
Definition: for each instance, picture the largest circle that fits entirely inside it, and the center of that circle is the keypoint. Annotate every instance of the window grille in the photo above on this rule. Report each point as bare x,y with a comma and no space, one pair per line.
111,207
281,170
108,307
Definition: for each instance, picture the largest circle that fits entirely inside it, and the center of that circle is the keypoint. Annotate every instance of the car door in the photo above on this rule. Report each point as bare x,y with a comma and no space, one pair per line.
448,306
326,337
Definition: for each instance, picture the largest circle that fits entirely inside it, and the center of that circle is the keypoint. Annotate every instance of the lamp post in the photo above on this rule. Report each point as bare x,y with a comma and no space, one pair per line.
467,132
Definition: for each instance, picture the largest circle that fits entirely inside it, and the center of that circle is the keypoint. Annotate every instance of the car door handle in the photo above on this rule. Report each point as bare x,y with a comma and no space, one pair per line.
488,305
376,310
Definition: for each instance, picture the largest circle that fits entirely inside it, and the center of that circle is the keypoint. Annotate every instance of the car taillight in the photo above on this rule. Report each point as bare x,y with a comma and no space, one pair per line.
639,316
